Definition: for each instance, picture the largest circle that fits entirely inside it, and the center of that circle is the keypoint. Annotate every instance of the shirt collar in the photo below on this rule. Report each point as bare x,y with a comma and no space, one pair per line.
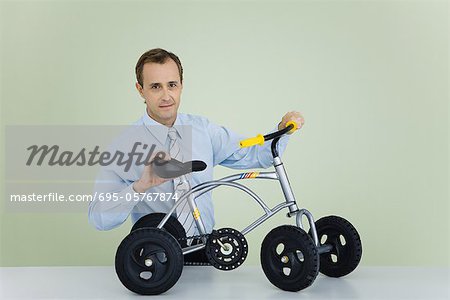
160,131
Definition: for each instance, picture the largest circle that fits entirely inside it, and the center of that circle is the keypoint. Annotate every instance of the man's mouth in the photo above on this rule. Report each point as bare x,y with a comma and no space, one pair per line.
166,105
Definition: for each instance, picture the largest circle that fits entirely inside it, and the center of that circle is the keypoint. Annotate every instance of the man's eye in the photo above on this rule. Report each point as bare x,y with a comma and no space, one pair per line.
155,86
173,85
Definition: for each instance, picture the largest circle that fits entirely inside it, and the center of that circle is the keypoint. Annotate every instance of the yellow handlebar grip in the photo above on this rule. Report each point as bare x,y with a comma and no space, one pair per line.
293,128
257,140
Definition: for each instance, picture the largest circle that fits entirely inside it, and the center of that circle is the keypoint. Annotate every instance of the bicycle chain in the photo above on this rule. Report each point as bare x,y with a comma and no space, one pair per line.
194,237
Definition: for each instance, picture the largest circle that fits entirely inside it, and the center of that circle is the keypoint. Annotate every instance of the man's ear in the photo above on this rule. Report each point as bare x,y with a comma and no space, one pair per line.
139,89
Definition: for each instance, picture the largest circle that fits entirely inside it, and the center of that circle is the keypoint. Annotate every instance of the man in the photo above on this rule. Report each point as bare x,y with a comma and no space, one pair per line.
159,76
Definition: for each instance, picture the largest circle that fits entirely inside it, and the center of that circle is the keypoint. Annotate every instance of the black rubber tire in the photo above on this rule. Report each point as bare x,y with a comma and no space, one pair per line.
161,248
172,226
303,267
347,255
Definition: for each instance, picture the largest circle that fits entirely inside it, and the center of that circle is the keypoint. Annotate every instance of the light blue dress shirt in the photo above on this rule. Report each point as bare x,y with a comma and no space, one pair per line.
200,140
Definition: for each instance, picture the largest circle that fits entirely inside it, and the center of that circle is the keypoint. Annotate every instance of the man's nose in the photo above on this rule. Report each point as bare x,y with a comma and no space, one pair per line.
166,95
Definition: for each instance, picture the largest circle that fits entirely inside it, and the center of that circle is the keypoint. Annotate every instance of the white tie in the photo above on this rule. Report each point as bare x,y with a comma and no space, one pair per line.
180,187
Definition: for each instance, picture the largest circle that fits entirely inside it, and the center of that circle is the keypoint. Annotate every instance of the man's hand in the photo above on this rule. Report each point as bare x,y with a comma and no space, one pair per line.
149,178
292,116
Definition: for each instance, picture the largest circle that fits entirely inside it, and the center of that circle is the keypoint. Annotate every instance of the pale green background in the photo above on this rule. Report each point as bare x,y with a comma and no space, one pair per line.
370,77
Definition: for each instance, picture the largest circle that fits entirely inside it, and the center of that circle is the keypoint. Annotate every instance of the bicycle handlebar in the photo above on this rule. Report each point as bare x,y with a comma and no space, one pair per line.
260,139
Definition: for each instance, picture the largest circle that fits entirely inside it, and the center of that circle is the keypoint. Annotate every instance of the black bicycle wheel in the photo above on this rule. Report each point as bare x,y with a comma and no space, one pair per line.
347,247
289,258
172,226
149,261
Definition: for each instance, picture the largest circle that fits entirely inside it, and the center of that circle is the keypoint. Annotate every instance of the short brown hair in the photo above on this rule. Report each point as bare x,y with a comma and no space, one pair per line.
158,56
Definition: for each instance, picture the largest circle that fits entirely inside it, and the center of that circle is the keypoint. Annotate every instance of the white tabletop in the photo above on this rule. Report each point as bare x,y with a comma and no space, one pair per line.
247,282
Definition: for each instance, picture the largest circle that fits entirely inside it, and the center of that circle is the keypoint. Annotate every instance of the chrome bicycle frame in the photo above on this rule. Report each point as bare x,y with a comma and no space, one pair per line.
279,174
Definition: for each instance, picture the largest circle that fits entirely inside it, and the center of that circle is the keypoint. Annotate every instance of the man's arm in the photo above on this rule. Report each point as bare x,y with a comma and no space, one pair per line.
106,215
110,207
227,152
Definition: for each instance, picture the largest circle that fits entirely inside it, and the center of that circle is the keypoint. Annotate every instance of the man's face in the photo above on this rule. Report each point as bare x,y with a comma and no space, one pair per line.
161,91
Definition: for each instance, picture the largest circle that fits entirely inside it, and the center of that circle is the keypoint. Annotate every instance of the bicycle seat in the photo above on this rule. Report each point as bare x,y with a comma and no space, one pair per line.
174,168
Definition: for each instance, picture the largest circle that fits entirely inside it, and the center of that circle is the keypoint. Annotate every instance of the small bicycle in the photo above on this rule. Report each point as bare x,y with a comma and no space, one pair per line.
150,259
